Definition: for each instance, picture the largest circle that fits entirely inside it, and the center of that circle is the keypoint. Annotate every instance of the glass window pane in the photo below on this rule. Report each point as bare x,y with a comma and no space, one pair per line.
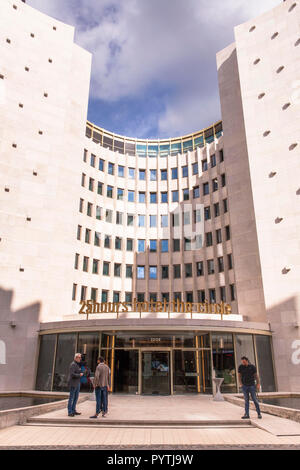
64,356
223,360
88,346
45,366
265,363
244,347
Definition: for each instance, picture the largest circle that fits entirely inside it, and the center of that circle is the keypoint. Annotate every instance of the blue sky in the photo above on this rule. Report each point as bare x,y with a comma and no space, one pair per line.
154,66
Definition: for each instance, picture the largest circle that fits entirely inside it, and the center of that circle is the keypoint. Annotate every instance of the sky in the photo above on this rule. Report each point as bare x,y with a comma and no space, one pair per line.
154,71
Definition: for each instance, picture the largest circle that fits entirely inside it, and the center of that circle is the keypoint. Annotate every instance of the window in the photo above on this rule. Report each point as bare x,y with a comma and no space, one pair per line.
107,239
117,270
97,239
141,246
130,220
116,297
129,244
74,291
95,266
213,161
120,194
164,220
87,235
185,172
175,196
153,246
152,272
105,268
128,297
212,295
174,173
215,184
98,213
131,173
196,192
165,296
188,270
76,261
104,296
85,264
223,180
177,296
129,271
186,194
130,196
153,198
153,175
175,220
219,236
177,271
163,175
81,205
91,184
187,244
89,209
225,206
229,261
83,293
207,215
109,191
153,221
195,168
217,209
199,268
141,221
189,296
199,242
209,239
142,197
227,231
197,216
93,160
142,174
121,171
141,272
186,218
100,188
221,264
101,164
83,179
153,297
119,218
205,189
201,295
141,297
221,155
210,266
164,197
223,294
204,165
111,168
108,215
176,244
118,243
79,232
85,152
232,292
164,246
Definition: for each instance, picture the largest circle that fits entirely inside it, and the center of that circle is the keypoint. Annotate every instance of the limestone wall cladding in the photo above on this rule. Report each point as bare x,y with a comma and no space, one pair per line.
268,58
43,101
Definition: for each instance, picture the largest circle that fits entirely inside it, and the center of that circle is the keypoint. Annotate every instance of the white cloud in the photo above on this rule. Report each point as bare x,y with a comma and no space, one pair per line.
137,44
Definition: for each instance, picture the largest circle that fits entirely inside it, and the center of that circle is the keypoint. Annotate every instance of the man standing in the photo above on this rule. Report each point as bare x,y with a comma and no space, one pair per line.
247,376
101,384
74,383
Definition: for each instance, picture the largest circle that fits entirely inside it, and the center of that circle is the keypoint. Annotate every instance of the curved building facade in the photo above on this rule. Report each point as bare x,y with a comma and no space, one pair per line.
171,258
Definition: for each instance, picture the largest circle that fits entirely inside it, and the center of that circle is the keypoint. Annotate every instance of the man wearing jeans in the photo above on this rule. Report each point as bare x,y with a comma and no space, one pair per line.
247,376
74,383
101,385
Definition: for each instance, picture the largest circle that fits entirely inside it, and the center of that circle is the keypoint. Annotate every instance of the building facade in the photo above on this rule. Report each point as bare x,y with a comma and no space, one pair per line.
171,258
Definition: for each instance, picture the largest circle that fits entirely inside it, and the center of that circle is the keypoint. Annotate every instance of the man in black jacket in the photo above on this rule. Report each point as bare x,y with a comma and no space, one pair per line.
247,378
74,383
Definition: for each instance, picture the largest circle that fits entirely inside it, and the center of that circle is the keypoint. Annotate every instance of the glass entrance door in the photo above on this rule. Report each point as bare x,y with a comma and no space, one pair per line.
156,373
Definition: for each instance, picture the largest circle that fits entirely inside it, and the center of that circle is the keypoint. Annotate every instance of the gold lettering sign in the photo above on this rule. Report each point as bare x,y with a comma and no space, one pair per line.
89,307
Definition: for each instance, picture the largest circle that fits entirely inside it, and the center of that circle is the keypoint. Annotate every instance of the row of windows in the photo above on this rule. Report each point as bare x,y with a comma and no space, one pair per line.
152,198
153,173
177,270
186,216
140,296
189,243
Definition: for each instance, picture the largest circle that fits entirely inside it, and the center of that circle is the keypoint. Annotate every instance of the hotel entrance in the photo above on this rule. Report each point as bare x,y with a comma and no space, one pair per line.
155,373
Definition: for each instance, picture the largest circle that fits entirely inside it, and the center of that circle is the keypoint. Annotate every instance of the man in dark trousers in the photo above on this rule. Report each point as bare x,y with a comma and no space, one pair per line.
74,383
247,377
101,385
